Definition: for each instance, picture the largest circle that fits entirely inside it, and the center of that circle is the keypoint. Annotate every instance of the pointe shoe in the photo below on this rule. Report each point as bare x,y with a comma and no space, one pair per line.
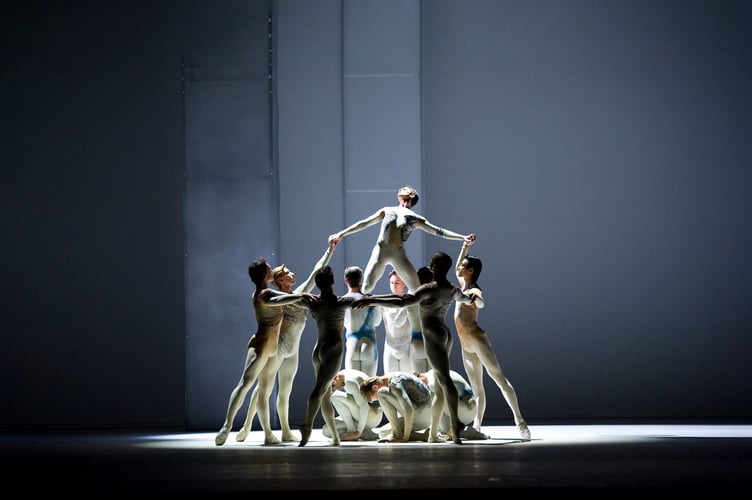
437,439
221,436
272,439
524,431
289,437
241,435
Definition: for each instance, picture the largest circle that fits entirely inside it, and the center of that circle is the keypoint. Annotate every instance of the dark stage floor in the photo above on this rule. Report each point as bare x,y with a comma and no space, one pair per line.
558,456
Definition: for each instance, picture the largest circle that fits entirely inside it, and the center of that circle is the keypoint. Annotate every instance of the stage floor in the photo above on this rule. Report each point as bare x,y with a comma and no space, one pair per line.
557,456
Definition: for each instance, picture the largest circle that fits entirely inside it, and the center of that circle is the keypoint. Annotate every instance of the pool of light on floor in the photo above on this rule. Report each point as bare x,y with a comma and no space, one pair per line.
499,435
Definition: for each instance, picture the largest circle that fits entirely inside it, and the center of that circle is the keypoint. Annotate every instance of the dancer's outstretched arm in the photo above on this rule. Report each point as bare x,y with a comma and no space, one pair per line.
358,226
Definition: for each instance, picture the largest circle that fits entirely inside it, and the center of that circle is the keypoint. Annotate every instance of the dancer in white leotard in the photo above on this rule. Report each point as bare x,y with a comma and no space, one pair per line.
356,416
361,348
397,352
406,402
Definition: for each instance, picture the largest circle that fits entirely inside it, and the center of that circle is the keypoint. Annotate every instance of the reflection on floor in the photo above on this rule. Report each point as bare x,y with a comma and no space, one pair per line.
564,456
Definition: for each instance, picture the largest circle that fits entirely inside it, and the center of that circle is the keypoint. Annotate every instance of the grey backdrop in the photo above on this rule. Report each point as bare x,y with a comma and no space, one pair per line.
598,149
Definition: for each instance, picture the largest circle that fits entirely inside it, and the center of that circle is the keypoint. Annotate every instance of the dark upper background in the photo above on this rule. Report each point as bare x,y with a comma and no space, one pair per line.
600,150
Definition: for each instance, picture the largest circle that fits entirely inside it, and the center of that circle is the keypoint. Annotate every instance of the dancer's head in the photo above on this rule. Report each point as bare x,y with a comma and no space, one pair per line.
258,270
353,276
440,264
396,285
425,275
473,264
408,193
325,279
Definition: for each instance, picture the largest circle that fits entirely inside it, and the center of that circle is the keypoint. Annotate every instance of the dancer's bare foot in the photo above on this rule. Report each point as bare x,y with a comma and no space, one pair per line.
456,433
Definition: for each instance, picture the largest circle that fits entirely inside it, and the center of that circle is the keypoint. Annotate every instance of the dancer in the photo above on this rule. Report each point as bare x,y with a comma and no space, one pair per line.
467,408
477,352
261,349
328,311
434,300
397,339
417,346
406,402
293,324
361,349
356,416
397,223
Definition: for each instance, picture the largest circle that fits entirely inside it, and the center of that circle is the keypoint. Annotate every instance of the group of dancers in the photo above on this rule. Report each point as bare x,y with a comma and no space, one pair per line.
416,355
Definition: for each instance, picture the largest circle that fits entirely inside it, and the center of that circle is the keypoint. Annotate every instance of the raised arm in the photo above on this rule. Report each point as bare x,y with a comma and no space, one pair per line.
308,284
429,227
358,226
458,262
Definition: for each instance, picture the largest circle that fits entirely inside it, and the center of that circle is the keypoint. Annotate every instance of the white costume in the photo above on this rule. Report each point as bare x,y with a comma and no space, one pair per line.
433,300
396,341
406,402
361,348
355,415
398,334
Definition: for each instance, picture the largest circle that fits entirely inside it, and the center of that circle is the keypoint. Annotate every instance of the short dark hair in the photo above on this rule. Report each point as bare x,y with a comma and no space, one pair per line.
425,275
257,270
441,263
324,278
353,276
475,264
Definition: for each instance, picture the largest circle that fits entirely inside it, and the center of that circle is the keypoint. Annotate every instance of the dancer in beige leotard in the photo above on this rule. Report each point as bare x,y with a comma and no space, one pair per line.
262,348
293,324
477,352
